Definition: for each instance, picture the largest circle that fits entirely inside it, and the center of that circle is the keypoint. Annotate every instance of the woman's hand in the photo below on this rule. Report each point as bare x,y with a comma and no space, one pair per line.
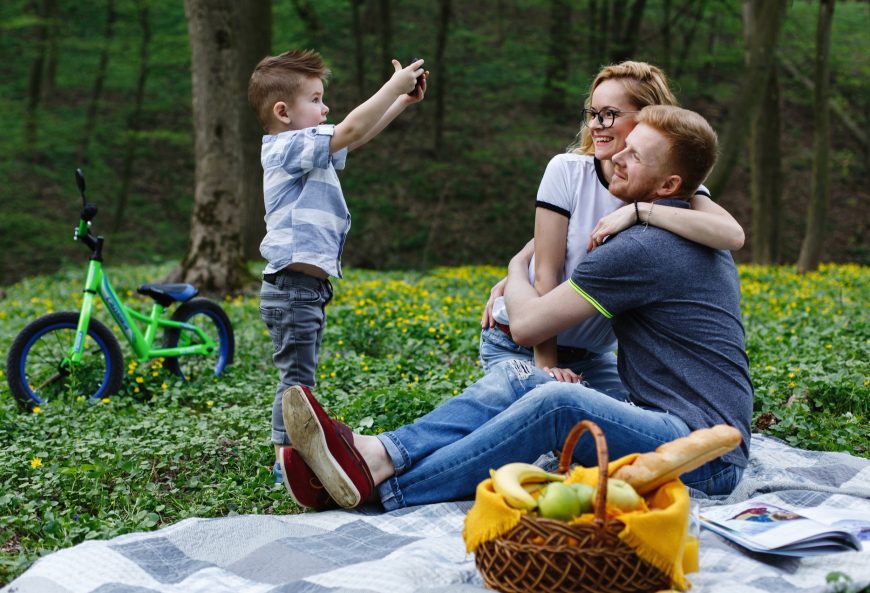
563,375
496,291
618,220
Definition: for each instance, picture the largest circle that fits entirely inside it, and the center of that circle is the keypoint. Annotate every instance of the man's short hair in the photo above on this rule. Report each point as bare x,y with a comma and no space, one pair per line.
694,146
279,78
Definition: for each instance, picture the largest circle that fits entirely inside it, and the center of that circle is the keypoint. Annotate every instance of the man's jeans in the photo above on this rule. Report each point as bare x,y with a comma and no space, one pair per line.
598,370
517,413
293,309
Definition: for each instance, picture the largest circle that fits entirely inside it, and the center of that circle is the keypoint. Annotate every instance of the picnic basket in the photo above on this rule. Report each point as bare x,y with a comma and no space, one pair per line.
548,556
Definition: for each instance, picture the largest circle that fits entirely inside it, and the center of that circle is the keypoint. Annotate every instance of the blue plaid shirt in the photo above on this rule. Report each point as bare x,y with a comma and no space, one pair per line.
307,219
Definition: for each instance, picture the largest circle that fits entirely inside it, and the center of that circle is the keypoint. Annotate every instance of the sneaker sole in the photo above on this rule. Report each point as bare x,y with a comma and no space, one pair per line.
310,442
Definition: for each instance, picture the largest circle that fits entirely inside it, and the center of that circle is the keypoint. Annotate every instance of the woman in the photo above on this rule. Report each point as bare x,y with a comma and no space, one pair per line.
572,196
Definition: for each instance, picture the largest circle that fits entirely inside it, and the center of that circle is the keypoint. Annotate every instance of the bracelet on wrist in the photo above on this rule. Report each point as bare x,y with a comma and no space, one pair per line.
648,216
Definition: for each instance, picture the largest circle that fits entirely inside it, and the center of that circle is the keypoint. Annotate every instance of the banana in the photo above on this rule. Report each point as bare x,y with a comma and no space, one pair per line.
510,480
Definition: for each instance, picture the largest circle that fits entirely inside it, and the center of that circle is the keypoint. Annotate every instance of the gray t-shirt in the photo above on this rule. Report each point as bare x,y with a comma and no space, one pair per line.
675,309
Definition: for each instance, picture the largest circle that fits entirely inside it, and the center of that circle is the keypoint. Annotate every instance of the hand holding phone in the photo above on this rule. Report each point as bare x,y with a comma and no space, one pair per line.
419,78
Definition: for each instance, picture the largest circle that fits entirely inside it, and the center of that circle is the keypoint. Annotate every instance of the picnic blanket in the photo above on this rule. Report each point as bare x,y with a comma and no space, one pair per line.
420,549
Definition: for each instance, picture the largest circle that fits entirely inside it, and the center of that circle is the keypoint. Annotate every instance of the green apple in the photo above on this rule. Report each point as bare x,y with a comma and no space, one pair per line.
584,493
621,495
558,501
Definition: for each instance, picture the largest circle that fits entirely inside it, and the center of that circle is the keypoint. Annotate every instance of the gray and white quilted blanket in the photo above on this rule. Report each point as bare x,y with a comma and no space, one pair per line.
420,549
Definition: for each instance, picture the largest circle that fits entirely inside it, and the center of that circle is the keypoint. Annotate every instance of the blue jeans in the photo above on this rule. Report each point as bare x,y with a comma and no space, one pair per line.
517,413
293,309
598,370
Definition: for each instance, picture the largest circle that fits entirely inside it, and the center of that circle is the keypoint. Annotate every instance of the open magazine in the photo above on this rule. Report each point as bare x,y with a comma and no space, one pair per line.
780,528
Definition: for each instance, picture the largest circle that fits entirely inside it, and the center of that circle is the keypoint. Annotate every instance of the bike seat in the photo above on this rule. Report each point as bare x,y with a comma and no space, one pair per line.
166,294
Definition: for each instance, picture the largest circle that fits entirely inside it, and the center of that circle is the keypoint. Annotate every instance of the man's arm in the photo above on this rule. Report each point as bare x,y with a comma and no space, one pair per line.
535,318
362,120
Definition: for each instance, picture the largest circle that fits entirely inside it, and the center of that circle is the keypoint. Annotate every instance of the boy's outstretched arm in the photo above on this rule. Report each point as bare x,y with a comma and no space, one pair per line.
393,112
362,120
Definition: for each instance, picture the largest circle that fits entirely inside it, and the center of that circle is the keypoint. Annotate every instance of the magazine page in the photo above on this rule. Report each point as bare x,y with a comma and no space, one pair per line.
762,526
842,512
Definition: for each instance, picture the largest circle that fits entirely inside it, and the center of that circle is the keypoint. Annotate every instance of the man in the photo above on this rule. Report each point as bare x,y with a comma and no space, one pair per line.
675,310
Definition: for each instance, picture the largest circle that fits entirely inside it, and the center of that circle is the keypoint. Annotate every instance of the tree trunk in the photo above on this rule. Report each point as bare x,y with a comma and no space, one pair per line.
501,23
34,81
762,48
214,261
133,121
666,35
359,50
811,249
306,13
712,42
603,32
765,188
556,74
689,37
626,43
49,71
593,54
854,128
387,41
99,82
441,65
255,43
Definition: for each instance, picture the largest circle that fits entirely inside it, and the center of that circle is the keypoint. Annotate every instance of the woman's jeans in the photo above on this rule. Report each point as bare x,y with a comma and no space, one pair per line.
598,370
293,309
517,413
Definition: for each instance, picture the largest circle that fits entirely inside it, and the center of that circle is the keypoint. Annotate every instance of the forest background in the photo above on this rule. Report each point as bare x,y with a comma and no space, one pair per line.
107,86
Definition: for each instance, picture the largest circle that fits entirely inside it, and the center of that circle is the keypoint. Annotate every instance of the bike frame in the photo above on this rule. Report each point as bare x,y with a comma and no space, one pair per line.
97,283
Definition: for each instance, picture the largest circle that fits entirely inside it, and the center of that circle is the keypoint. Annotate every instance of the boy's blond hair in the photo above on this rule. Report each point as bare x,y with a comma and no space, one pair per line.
644,84
278,78
693,143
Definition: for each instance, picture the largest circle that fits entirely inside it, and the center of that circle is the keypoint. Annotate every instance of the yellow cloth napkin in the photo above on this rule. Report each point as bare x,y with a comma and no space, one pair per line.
657,533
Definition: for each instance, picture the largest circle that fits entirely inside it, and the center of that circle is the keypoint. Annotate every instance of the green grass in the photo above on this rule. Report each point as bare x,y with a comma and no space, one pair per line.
396,345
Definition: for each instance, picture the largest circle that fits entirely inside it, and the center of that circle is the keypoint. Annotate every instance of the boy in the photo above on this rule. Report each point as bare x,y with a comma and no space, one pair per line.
306,216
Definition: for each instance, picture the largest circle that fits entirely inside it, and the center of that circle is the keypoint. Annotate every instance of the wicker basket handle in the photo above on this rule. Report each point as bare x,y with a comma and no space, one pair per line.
601,450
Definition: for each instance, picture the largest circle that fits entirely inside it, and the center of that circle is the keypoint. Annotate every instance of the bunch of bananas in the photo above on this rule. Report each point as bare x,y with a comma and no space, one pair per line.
517,481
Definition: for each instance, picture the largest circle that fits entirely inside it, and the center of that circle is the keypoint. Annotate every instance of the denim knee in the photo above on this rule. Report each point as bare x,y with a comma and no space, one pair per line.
496,347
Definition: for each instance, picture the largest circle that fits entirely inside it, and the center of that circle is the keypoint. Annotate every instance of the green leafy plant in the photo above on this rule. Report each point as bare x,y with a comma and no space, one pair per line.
396,345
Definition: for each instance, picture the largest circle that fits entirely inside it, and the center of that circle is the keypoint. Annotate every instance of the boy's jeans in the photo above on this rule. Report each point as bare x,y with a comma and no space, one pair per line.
599,370
294,311
517,413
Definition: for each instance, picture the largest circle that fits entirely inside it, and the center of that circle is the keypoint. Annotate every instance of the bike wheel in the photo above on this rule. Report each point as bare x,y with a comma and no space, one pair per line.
34,370
210,317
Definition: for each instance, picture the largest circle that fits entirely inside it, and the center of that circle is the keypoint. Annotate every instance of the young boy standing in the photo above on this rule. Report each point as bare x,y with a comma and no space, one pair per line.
307,219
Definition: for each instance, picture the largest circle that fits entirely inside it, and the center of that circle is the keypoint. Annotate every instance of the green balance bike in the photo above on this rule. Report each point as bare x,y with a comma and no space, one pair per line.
71,354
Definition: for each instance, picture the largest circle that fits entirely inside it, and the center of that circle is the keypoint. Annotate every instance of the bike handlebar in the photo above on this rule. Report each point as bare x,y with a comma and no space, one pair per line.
88,213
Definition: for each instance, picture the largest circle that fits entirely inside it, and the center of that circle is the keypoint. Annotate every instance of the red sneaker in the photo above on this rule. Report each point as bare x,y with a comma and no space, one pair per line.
301,482
327,448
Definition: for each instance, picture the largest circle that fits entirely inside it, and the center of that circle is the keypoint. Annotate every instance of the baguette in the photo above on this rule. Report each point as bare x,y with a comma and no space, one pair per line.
670,460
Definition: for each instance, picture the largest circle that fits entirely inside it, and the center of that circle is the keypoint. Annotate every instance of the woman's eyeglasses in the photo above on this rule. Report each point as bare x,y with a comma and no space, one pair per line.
605,117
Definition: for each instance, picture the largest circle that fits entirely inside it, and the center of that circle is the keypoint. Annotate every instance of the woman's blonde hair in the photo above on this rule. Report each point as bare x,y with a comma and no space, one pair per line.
644,84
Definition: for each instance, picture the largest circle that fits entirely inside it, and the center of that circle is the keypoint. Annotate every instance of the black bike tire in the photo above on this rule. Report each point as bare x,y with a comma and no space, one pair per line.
63,320
214,311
